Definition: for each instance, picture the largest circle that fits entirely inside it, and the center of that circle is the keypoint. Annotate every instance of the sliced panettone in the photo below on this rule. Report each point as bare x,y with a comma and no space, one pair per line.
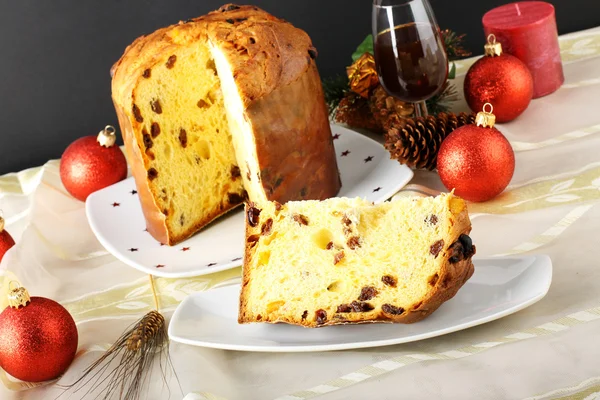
316,263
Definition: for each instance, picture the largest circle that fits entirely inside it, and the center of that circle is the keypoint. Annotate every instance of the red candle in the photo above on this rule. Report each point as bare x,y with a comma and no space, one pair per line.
527,30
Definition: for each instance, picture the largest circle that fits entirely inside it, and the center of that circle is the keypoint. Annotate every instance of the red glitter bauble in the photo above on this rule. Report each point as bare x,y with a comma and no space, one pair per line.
86,167
477,162
6,241
38,341
504,81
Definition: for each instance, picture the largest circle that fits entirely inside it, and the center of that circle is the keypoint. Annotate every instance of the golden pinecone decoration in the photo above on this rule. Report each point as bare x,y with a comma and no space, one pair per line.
416,141
354,111
383,106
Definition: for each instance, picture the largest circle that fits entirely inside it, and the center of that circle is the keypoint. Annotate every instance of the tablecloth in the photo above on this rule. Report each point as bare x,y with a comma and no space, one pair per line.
547,351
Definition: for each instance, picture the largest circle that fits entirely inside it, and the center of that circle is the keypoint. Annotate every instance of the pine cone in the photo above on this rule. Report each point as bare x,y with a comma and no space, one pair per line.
415,142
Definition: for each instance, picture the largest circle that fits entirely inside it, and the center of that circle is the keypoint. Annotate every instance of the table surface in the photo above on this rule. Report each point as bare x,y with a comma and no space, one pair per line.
547,351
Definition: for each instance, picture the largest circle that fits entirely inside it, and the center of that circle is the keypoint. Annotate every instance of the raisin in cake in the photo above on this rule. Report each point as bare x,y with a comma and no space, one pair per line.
218,108
316,263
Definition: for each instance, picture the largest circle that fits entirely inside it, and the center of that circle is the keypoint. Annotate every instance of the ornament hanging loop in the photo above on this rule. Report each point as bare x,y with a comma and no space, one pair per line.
492,48
107,137
486,118
19,296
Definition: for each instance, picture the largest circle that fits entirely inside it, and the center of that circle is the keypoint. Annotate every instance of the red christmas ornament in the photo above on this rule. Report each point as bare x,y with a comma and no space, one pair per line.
500,79
92,163
38,337
476,160
6,241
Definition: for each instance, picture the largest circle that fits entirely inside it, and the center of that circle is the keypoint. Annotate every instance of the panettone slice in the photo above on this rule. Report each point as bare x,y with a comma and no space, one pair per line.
338,261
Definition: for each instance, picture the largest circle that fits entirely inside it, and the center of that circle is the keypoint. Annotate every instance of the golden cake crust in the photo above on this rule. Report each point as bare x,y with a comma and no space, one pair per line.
275,52
266,54
279,55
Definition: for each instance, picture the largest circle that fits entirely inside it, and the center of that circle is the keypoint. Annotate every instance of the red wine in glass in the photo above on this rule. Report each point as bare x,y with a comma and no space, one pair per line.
409,54
411,67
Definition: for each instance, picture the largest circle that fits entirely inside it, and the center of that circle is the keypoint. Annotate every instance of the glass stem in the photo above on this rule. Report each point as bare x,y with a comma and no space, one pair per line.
421,109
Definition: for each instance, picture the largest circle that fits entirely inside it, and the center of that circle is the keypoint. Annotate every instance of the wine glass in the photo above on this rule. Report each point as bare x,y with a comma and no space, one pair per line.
409,53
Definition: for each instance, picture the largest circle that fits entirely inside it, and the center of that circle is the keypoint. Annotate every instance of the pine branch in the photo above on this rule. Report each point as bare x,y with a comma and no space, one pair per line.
441,101
335,89
454,45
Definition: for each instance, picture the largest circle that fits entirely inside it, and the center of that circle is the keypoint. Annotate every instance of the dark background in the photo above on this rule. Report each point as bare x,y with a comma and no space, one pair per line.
55,55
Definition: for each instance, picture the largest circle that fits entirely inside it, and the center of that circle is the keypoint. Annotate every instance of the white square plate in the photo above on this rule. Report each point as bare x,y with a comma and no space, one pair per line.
499,287
116,217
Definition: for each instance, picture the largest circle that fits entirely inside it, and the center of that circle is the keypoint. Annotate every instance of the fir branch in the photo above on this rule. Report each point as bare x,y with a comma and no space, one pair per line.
441,101
454,45
335,89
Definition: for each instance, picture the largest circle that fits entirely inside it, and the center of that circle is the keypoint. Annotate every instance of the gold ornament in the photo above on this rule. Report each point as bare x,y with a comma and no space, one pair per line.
486,118
383,106
1,223
107,137
492,48
362,75
18,297
355,111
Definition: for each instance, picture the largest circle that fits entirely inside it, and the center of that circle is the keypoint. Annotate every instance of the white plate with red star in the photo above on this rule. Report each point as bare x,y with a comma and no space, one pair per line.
116,218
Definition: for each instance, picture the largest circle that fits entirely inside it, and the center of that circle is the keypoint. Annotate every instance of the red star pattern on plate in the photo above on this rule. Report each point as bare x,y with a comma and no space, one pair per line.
125,229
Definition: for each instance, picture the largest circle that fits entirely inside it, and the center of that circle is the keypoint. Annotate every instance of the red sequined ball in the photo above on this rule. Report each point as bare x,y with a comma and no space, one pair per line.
477,162
87,166
504,81
6,240
38,341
